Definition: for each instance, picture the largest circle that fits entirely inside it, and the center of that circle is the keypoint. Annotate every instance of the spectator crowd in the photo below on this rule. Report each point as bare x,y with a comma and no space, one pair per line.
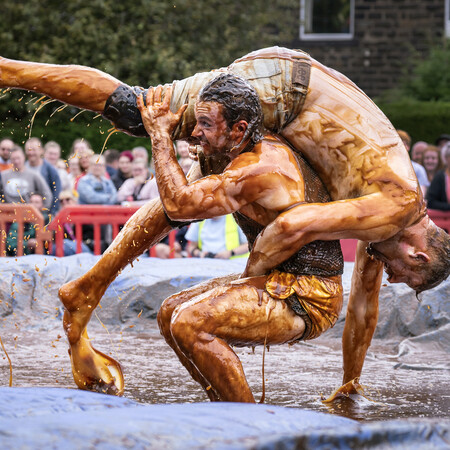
36,174
431,163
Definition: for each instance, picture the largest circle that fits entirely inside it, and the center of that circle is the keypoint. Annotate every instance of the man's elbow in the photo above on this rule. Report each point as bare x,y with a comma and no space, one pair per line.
174,211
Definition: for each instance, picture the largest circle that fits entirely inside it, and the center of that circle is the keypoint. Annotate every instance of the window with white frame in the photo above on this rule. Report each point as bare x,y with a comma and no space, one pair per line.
327,19
447,18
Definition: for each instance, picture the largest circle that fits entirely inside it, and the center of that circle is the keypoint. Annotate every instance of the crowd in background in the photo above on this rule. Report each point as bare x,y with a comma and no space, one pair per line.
431,162
38,175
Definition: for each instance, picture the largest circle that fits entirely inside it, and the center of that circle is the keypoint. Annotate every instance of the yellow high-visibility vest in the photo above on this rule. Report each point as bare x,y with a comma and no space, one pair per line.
231,235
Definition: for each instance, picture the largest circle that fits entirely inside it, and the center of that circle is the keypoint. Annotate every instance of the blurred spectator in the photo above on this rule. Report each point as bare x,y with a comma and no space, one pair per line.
112,161
432,161
438,194
421,174
82,150
52,154
80,145
20,182
163,250
138,188
74,170
185,164
67,198
140,153
124,170
442,140
182,149
62,164
219,237
6,146
35,162
29,230
417,151
95,188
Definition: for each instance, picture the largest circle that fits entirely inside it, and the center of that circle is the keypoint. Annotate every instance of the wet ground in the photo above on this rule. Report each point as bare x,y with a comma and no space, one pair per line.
296,376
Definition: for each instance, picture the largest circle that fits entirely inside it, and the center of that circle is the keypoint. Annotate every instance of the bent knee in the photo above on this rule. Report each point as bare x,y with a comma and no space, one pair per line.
165,312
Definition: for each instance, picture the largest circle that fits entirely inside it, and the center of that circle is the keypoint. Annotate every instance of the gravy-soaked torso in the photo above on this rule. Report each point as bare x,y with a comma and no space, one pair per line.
348,140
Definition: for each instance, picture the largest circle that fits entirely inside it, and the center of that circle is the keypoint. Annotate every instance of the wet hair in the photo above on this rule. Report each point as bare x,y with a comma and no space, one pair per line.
240,101
438,268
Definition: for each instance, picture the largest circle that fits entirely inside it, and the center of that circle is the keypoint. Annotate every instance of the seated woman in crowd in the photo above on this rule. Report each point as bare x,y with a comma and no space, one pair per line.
432,161
138,189
438,194
124,169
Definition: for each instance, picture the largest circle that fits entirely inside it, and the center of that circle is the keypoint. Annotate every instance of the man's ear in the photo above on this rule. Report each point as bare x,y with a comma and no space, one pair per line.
238,129
421,255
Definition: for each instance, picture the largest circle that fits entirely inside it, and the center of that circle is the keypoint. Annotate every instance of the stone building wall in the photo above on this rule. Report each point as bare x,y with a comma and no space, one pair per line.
388,35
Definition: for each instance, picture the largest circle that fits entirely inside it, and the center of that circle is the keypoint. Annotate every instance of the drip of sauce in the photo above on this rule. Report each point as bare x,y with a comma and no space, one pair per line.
9,362
111,132
37,110
77,114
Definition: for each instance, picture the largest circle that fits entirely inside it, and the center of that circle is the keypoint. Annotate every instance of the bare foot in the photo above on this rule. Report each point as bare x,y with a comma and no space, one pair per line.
92,370
352,387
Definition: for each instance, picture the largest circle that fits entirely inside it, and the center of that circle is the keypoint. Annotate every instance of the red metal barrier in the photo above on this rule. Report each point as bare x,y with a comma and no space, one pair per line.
22,214
349,249
96,215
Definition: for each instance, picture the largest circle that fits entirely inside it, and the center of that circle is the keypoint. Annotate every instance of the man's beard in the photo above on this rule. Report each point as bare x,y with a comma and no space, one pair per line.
213,164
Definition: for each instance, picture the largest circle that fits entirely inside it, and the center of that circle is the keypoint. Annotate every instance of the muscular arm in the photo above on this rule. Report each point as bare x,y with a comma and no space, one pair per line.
211,196
362,312
373,218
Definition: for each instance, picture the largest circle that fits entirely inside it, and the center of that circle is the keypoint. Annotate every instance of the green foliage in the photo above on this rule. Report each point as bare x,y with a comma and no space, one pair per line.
424,121
140,42
430,78
421,103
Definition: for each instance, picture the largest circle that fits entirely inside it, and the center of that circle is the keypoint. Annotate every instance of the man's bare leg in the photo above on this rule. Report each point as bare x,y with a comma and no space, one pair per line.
79,86
360,321
165,316
241,314
91,369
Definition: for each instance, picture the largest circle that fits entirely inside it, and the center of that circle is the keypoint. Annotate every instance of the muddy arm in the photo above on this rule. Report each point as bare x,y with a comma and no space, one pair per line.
362,312
372,218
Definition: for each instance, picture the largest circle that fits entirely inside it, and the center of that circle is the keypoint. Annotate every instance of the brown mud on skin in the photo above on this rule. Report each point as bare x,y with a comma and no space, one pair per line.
296,376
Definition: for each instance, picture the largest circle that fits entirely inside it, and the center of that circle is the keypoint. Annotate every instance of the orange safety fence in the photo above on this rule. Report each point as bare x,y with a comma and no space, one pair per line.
22,214
96,215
